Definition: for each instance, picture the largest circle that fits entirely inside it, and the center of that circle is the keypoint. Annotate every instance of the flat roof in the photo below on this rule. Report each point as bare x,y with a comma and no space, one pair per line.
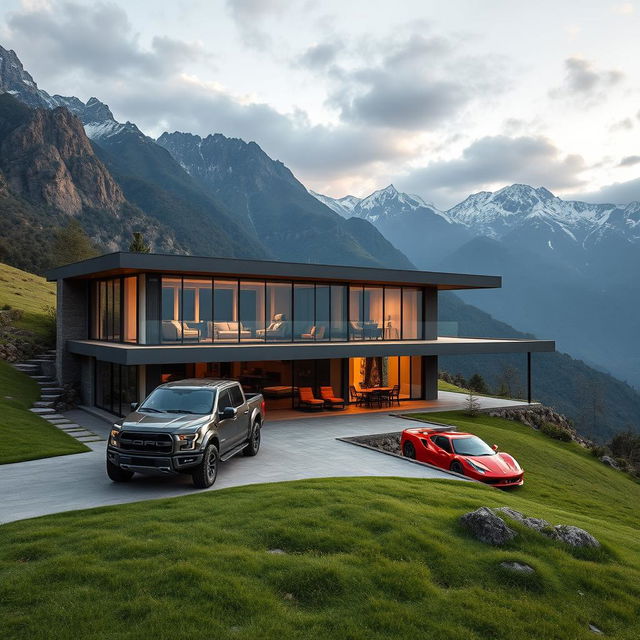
130,354
123,263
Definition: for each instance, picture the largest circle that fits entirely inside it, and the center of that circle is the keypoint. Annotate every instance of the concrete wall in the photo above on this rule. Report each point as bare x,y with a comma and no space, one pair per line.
72,311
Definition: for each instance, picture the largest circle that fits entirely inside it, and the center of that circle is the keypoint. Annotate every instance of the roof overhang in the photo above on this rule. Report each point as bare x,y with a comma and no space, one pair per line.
174,354
122,263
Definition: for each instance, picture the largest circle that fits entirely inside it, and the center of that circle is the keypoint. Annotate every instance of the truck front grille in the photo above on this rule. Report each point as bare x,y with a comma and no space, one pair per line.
146,442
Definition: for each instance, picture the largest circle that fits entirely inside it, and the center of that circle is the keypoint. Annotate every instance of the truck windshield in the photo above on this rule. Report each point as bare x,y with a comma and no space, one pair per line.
472,446
180,400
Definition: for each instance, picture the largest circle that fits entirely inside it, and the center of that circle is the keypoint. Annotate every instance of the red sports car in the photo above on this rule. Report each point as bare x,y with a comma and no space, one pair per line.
463,453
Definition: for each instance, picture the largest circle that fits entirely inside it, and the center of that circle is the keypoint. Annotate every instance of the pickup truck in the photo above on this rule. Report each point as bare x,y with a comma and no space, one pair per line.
189,427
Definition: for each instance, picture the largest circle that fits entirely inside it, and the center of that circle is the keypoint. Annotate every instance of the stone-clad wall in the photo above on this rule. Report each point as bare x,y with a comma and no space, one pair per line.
72,310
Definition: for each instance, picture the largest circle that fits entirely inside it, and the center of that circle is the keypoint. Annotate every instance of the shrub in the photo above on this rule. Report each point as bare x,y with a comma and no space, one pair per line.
556,432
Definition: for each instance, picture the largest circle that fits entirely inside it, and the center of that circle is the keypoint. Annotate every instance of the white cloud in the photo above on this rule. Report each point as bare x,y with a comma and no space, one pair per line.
495,161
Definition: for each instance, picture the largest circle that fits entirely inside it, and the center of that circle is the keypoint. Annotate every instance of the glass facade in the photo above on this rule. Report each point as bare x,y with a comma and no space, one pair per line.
116,387
114,310
187,310
402,371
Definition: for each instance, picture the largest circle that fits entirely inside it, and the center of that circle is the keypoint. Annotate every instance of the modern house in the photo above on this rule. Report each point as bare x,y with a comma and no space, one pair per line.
129,321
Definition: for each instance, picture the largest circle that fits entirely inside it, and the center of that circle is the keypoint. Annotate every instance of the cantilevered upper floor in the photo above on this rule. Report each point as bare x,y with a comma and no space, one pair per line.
152,302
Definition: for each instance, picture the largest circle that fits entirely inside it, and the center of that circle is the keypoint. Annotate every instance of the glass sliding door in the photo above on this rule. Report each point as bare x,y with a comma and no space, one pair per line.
322,312
339,303
252,311
304,328
171,309
278,312
392,313
372,324
116,387
197,312
226,327
411,314
356,313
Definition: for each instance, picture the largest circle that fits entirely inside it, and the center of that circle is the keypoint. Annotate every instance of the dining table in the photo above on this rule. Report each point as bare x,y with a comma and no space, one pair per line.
381,394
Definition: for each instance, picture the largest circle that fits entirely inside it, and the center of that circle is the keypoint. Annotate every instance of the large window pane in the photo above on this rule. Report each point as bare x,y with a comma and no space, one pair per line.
109,310
225,311
416,376
338,312
251,311
392,306
405,377
171,330
372,313
278,307
323,316
303,312
411,314
115,334
103,385
197,312
104,314
356,318
130,309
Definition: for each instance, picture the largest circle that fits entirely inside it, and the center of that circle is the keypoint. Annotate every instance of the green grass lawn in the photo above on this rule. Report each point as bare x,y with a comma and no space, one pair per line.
24,435
365,558
32,295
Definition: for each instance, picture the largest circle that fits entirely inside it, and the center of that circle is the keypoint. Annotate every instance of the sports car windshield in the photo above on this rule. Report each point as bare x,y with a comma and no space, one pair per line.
471,446
179,400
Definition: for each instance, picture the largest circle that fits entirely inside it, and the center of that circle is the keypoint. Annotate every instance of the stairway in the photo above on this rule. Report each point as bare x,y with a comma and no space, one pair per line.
50,393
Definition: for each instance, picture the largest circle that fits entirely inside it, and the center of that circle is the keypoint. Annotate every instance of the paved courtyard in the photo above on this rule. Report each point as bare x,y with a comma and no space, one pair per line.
291,450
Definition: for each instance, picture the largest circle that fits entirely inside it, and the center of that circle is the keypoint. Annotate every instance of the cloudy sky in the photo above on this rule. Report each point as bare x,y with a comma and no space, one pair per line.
440,98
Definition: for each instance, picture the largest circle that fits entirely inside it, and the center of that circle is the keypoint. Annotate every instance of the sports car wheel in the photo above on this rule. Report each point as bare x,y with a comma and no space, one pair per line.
456,467
408,450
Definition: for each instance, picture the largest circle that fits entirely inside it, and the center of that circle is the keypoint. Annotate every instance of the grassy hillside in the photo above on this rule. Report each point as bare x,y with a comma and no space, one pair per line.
31,294
24,435
360,558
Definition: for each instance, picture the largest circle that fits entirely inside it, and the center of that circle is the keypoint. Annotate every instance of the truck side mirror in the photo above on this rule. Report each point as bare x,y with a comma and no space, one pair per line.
227,413
134,405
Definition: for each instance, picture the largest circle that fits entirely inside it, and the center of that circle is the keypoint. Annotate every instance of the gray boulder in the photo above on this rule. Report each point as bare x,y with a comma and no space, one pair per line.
517,567
533,523
573,536
487,527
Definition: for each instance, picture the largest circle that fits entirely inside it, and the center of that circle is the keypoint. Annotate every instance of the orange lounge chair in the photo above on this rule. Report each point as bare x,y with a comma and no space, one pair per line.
307,399
326,393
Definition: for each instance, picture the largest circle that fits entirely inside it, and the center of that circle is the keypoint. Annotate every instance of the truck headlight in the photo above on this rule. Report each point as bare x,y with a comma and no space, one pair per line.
187,441
113,437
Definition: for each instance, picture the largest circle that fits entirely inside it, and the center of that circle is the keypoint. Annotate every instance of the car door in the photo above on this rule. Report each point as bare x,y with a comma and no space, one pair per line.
238,402
227,428
441,451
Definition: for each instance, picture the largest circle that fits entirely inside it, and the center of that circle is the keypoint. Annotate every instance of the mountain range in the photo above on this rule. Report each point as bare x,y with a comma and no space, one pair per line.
570,268
178,211
62,158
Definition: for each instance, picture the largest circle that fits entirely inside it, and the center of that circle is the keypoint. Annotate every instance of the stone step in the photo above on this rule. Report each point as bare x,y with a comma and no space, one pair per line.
41,411
52,390
46,356
80,433
50,397
68,426
41,378
88,438
43,404
62,422
24,367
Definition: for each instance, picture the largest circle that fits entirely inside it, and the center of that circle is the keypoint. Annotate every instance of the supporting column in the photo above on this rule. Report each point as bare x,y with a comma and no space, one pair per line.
430,313
529,377
430,377
72,324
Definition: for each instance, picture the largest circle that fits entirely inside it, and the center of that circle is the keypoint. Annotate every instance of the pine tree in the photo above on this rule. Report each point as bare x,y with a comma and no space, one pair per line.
477,383
138,244
71,244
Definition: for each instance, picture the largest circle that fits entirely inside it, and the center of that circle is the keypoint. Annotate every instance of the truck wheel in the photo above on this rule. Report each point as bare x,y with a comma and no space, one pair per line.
254,441
204,475
117,474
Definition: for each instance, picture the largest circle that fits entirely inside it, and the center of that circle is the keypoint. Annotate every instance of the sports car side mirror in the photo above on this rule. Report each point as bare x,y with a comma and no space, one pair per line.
494,447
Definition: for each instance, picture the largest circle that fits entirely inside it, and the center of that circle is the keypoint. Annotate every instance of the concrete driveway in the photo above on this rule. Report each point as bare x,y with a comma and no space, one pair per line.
291,450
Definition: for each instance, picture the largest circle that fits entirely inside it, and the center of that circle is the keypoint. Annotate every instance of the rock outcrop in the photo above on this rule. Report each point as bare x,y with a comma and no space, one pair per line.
488,527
